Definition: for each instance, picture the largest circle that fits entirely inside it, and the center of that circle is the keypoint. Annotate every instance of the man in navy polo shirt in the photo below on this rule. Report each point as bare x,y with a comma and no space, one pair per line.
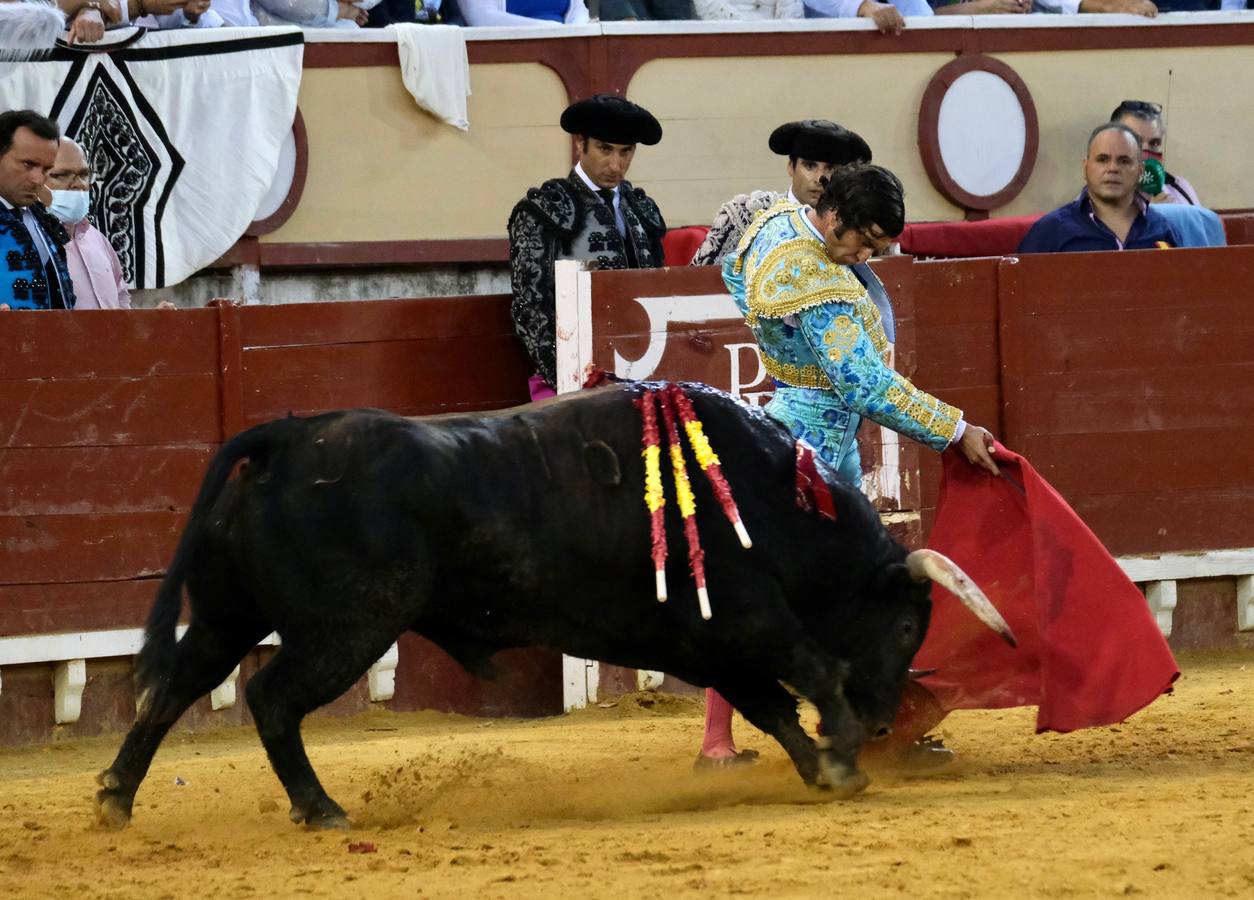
1109,214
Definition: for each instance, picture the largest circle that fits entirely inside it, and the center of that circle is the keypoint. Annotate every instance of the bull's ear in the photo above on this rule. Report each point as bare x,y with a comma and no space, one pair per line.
602,463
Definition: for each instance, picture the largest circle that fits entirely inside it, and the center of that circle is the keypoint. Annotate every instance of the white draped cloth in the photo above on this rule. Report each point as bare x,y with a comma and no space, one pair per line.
184,131
436,69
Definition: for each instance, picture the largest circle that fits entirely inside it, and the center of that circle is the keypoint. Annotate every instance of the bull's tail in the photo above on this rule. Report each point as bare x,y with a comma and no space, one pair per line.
154,666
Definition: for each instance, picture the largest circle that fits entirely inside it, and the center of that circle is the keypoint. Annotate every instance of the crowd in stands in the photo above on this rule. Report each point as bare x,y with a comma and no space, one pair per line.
87,20
56,258
1129,200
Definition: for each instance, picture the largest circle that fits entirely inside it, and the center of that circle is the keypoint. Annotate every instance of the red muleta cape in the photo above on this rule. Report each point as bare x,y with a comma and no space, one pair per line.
1090,652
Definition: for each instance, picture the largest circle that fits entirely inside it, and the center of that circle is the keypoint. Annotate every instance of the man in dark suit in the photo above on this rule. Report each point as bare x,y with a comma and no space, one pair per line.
592,214
33,273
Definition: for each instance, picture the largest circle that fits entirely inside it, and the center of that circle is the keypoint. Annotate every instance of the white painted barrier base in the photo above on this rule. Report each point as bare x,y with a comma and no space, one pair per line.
1160,574
70,651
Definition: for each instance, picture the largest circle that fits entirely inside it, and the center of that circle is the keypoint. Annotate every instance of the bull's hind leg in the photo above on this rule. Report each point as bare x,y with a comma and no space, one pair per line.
204,657
299,679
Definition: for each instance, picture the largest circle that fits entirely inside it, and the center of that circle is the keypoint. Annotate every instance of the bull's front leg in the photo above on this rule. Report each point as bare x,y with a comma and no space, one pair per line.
821,680
840,741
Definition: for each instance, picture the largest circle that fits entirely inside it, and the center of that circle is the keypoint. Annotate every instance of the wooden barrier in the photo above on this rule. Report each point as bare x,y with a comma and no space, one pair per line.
108,420
1122,376
1126,380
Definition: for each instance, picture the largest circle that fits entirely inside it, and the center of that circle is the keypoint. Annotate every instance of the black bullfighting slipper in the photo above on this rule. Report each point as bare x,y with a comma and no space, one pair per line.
743,758
925,753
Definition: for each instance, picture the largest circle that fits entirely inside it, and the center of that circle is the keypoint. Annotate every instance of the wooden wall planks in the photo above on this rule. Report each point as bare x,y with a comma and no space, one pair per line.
1123,377
108,420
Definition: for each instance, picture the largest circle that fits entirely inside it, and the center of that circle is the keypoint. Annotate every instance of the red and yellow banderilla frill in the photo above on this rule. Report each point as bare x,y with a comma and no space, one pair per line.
707,459
676,407
654,499
687,504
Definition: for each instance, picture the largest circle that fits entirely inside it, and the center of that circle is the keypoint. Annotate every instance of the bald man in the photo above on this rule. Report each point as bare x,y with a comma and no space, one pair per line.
93,263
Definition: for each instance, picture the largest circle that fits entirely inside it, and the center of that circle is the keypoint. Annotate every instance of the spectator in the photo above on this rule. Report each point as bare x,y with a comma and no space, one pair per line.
308,13
886,16
162,14
1146,121
31,239
655,10
592,214
87,19
152,14
1072,7
391,12
1109,214
520,12
1197,226
91,259
815,149
748,10
981,7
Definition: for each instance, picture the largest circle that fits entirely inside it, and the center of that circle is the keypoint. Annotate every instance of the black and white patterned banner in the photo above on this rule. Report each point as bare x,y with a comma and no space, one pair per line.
183,130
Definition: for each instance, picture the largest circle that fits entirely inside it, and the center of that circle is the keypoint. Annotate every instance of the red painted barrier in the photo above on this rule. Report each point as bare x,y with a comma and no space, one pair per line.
1124,377
108,419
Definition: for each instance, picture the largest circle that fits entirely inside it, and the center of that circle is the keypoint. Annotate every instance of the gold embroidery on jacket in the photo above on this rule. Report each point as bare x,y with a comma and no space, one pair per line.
841,337
941,419
796,376
793,278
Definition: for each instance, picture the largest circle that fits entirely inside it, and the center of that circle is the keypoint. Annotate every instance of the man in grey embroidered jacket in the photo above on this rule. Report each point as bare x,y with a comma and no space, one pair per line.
592,214
815,148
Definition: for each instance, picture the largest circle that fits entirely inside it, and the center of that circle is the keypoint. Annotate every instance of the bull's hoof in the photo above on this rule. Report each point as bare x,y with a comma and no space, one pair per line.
108,780
322,815
842,780
113,810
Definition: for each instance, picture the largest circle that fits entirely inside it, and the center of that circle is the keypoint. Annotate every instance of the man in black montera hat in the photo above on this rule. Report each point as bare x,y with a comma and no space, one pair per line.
592,214
815,149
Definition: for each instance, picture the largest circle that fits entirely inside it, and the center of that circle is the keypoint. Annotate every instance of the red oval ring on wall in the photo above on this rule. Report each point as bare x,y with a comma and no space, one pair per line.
275,220
929,132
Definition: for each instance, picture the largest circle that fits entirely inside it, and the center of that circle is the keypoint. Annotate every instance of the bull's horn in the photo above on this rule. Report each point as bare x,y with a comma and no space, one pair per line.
928,565
916,674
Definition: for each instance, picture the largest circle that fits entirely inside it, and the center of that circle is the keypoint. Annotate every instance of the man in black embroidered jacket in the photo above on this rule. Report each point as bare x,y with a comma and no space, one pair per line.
33,273
592,214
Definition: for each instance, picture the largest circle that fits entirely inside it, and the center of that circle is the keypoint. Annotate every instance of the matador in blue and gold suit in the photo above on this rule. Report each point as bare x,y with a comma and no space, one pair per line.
823,343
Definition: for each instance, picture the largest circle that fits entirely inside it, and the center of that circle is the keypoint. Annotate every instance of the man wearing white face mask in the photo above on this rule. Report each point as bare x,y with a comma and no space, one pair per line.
91,259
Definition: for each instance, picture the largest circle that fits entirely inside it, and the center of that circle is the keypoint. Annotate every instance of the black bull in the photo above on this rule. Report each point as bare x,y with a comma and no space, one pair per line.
521,528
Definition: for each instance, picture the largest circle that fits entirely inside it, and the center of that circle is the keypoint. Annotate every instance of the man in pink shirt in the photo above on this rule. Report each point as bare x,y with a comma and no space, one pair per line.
91,259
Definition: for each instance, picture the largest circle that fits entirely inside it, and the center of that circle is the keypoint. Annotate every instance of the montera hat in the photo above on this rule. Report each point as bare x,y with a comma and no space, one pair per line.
608,117
820,140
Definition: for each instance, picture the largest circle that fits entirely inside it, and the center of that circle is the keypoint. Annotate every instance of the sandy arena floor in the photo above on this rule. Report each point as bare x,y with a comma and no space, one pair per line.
604,804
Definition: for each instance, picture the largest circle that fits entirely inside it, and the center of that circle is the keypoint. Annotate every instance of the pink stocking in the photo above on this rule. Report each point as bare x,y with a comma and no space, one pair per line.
718,741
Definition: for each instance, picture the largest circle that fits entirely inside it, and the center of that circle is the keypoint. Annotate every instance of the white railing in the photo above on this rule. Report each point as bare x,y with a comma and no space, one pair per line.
69,651
1160,574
